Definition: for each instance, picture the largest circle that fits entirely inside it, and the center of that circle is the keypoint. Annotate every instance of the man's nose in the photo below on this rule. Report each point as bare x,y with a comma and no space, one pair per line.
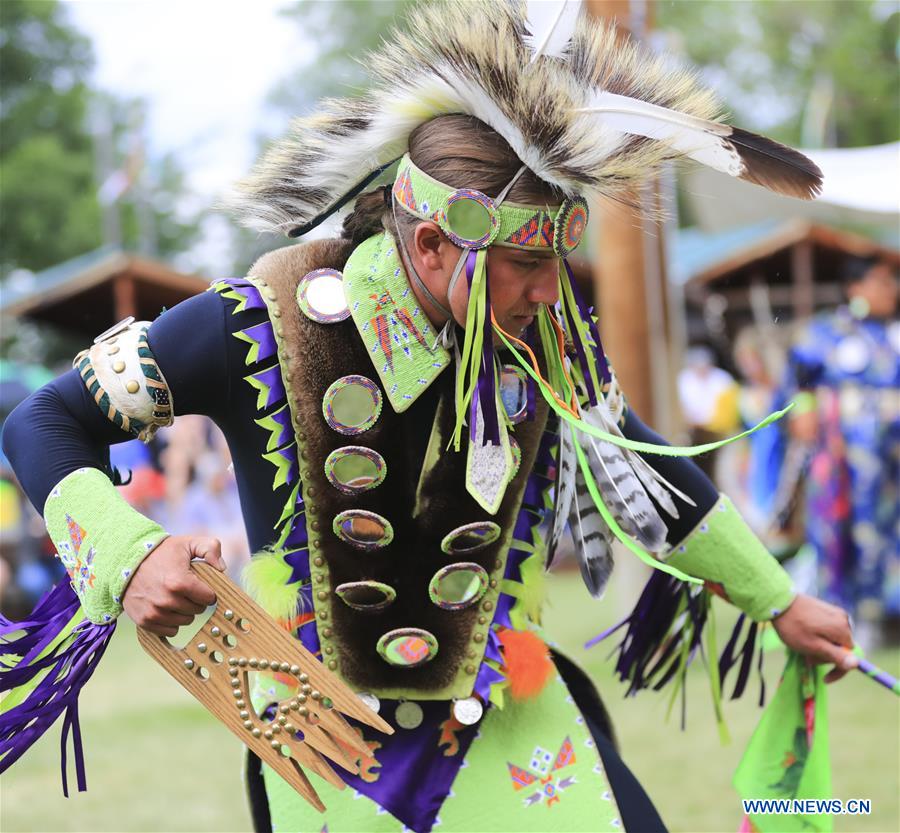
545,289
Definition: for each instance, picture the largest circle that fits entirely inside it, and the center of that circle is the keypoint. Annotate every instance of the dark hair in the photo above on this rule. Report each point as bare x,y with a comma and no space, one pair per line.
856,268
461,152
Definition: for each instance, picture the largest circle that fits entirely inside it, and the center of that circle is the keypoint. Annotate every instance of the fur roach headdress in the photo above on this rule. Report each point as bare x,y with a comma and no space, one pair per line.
584,111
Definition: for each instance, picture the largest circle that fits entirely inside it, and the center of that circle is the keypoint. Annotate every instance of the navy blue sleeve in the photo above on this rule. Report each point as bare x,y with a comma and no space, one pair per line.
60,429
683,474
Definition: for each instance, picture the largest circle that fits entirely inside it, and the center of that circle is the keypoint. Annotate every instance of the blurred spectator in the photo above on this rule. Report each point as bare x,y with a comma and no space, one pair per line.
844,373
707,397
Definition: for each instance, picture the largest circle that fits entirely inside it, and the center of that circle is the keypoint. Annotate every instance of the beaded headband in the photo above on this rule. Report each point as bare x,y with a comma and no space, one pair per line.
474,220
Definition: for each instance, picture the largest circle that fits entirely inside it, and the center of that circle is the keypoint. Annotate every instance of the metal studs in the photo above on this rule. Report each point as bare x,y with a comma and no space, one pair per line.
482,620
189,664
268,734
276,729
498,564
285,667
295,669
310,492
256,732
132,386
488,605
233,672
216,632
282,720
493,582
242,662
248,724
236,692
232,661
263,664
479,637
320,577
472,654
316,695
318,561
276,744
303,711
245,714
235,683
289,727
322,594
327,633
329,649
253,662
118,366
201,647
315,525
332,664
470,669
229,614
302,698
240,704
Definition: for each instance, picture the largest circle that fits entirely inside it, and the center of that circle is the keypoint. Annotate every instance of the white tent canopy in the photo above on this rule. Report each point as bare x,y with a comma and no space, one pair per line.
862,187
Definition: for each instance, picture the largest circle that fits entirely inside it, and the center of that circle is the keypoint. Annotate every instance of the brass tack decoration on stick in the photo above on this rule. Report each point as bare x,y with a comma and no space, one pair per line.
327,737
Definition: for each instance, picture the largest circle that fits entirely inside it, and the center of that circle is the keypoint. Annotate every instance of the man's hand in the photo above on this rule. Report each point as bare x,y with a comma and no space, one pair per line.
163,593
821,632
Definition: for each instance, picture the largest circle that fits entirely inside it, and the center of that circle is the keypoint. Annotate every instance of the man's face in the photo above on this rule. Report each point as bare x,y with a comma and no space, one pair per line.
520,282
879,289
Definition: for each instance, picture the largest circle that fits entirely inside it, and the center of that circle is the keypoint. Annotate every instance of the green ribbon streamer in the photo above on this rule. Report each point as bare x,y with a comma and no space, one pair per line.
624,442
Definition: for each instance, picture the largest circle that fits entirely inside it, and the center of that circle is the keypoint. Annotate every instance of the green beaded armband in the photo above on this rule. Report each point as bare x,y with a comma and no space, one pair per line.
100,539
723,551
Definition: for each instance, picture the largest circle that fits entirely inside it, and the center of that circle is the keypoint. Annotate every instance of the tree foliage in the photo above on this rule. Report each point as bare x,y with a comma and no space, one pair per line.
49,208
811,72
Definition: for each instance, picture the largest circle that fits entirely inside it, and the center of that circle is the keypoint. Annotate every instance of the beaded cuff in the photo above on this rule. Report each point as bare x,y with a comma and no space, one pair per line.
120,372
100,539
723,551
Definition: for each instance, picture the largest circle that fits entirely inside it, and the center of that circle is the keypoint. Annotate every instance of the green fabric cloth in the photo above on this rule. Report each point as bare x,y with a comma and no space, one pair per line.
400,339
780,762
723,551
100,539
532,768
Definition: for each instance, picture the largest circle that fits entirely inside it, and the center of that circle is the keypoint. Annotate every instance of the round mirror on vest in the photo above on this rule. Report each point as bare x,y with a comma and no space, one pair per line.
469,218
366,596
320,296
514,393
470,538
407,647
352,404
363,530
353,469
457,586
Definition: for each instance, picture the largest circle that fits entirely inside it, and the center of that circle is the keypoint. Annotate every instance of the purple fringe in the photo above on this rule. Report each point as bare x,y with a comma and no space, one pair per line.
68,667
649,654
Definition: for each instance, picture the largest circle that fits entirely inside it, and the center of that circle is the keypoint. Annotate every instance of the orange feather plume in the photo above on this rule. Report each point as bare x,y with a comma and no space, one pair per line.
526,663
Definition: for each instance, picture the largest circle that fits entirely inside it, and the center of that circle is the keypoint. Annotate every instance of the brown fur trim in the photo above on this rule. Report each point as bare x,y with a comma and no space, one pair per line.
313,356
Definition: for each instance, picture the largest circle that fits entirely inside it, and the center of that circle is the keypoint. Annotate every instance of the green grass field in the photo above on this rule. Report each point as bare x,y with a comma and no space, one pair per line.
158,762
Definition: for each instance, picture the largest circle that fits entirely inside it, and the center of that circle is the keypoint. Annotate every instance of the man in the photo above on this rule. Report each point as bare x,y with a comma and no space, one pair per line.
395,506
844,371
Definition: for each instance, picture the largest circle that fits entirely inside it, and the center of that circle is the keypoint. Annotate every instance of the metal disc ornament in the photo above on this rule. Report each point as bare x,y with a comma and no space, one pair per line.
468,711
571,221
370,700
409,715
320,296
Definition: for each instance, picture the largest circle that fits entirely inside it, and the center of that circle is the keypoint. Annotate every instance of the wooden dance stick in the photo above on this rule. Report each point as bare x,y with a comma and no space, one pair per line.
241,638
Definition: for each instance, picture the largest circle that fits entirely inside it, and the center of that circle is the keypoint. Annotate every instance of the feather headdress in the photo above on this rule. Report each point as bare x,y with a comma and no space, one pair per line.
584,111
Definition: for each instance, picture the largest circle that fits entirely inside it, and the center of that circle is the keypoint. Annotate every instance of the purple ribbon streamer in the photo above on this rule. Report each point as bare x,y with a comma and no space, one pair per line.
485,391
584,311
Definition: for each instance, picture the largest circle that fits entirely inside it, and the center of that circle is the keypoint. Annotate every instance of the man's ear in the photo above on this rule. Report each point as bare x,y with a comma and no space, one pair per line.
427,243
